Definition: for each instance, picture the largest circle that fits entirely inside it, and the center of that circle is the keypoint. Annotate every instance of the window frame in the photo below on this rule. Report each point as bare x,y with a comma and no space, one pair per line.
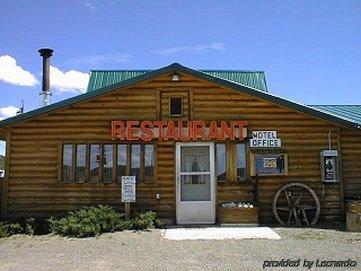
231,161
170,106
114,178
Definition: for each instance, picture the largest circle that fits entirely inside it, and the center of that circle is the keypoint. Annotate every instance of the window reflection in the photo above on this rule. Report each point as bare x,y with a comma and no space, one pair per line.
67,162
80,163
135,162
108,163
121,161
94,162
221,162
241,161
148,162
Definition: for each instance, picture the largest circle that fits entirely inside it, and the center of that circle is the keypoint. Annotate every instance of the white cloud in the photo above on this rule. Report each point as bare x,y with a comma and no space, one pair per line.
95,60
69,81
194,48
89,4
13,74
8,111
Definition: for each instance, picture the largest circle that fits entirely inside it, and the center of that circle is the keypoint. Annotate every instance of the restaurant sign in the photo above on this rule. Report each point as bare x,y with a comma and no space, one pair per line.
265,139
178,130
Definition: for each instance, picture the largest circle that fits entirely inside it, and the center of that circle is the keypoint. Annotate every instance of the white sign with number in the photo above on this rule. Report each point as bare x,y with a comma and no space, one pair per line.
128,188
265,139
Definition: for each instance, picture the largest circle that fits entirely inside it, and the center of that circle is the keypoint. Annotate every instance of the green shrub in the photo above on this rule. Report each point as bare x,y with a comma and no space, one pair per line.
146,220
8,229
86,222
89,221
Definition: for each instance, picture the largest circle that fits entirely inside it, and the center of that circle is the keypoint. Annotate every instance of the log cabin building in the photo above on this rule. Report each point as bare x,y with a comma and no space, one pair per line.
194,140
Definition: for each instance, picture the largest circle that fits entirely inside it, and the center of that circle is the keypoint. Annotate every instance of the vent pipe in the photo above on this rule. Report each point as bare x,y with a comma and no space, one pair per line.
45,93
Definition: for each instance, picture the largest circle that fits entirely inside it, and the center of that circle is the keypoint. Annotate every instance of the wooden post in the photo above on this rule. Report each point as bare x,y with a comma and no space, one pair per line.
127,209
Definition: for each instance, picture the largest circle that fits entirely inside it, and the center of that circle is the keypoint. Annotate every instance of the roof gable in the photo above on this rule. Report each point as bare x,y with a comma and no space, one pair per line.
102,78
176,67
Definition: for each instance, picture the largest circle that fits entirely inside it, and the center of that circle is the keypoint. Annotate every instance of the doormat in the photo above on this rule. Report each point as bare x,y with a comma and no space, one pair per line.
216,233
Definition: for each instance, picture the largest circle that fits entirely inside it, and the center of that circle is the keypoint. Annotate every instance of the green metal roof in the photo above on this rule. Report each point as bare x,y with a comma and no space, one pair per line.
176,67
347,112
103,78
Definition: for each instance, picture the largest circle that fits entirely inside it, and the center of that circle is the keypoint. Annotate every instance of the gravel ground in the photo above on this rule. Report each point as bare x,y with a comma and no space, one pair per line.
149,251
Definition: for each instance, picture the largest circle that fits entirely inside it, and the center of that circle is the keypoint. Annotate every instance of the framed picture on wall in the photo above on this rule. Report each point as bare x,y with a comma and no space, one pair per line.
266,163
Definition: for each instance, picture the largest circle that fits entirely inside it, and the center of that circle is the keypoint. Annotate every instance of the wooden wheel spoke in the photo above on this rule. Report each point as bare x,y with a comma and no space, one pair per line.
305,217
287,198
289,217
308,207
283,208
299,198
296,217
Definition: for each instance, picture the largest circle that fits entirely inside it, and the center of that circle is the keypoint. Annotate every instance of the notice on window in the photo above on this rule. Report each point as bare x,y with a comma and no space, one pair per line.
265,139
128,188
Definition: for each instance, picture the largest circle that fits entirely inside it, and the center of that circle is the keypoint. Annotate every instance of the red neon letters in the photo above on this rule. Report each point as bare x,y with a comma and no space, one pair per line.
170,130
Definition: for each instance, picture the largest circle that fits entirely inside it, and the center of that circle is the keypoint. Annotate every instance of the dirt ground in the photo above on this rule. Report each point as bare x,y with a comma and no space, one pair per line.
149,251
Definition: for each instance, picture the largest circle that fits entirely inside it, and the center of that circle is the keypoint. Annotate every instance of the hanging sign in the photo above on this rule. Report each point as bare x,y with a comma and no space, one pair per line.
265,139
178,130
128,188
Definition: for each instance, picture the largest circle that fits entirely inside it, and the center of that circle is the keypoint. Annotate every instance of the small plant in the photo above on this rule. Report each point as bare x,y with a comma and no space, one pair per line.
8,229
146,220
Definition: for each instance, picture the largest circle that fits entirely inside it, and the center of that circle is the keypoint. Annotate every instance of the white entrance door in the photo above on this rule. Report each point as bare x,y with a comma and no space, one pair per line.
195,183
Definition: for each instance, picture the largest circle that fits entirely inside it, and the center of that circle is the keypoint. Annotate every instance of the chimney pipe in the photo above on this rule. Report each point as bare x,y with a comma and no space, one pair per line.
45,93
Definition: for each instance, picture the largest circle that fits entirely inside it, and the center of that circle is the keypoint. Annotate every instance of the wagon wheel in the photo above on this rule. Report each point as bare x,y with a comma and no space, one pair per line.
296,204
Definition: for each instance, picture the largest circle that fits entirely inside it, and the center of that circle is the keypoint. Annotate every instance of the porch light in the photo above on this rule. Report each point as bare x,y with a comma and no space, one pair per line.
175,77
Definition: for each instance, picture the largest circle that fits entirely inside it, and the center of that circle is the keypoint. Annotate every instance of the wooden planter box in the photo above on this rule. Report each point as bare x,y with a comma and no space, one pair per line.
239,215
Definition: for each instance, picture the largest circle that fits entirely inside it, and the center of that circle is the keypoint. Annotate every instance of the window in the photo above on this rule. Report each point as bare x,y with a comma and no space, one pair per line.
221,162
175,106
67,163
135,162
148,162
231,162
94,164
80,163
107,162
241,158
121,161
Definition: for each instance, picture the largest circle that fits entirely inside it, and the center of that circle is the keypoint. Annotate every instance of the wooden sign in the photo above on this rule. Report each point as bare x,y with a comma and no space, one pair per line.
128,188
171,130
265,139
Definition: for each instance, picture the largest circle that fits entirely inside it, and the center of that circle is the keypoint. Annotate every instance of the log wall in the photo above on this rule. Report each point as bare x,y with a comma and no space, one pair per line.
34,189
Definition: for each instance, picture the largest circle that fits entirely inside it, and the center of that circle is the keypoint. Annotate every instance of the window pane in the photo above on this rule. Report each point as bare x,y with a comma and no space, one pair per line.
121,162
148,163
80,163
135,162
175,106
221,162
195,159
241,161
94,163
108,163
195,188
67,162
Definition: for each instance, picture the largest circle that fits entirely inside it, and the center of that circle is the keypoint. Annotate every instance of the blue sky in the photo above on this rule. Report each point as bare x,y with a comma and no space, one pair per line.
310,50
